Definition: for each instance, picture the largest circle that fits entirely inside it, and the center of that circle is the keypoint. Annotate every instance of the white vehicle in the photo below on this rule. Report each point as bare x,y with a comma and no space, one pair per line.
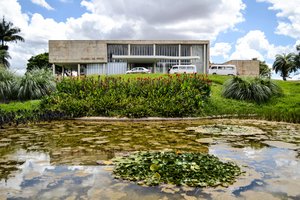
181,69
223,70
138,70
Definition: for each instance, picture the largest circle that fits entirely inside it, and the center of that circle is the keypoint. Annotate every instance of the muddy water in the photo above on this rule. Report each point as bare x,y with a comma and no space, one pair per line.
58,160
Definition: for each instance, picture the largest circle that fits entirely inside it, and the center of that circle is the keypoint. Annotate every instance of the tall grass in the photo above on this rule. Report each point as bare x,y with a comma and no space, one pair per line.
7,81
36,84
257,90
33,85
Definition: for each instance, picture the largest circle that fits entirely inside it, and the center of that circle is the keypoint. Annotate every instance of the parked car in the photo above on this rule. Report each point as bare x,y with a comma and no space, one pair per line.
180,69
138,70
223,70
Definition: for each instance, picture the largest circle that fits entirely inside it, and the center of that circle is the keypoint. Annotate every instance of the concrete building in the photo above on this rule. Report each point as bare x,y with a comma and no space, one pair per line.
245,67
117,56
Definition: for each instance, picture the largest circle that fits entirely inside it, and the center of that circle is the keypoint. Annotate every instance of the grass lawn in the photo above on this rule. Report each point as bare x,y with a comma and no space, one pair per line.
20,105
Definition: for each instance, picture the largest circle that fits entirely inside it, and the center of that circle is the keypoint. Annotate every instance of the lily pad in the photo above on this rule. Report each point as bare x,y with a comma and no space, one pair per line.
176,168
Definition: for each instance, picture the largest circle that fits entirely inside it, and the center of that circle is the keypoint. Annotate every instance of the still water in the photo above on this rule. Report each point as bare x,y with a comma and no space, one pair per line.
58,160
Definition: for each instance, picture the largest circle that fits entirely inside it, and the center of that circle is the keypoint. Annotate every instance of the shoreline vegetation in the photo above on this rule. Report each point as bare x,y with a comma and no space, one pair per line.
151,96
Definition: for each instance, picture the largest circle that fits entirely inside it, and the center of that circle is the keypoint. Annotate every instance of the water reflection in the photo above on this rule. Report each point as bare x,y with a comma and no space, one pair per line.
58,160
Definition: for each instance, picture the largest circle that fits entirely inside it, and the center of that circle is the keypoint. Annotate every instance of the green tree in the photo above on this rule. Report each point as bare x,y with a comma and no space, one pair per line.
297,57
4,55
285,64
40,61
264,70
8,33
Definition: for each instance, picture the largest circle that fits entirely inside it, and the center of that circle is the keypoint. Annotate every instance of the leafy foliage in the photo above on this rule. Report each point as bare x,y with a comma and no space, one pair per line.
7,81
264,70
257,90
170,96
285,64
4,56
36,84
8,33
191,169
38,62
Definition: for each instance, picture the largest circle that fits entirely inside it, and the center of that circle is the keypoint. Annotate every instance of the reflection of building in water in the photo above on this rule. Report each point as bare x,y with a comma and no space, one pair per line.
117,56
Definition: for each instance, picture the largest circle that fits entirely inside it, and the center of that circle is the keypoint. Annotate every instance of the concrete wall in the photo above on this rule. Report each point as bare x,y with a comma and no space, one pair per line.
245,67
77,51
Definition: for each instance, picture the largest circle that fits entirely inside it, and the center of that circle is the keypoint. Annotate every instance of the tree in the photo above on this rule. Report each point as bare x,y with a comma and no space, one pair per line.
285,64
264,70
39,61
8,33
297,57
4,55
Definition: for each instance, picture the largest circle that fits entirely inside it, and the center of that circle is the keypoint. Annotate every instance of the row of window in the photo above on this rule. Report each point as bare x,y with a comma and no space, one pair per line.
147,50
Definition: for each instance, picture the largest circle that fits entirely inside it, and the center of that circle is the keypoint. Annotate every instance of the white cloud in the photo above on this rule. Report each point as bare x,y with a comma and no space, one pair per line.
182,19
255,45
117,19
221,49
43,4
289,16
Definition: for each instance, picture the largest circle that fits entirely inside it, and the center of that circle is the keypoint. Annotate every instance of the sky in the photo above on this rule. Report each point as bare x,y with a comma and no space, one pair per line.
237,29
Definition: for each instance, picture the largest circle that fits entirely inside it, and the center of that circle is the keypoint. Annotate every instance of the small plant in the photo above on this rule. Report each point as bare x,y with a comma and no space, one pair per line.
167,96
257,90
7,80
191,169
35,84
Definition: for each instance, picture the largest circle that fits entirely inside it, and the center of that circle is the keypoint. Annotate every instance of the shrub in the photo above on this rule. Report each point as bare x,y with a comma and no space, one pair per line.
257,90
170,96
7,80
36,84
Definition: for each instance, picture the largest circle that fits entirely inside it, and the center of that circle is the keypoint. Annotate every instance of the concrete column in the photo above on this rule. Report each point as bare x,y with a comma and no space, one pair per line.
129,50
78,70
204,60
179,49
53,69
63,71
154,49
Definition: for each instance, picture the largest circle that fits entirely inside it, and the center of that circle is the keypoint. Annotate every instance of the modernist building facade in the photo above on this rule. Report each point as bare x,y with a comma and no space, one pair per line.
117,56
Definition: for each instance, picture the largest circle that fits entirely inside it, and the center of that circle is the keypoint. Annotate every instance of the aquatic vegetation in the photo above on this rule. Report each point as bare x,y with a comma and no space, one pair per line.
190,169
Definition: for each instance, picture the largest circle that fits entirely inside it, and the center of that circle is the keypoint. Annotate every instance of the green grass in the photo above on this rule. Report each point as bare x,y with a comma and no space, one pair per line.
19,105
283,108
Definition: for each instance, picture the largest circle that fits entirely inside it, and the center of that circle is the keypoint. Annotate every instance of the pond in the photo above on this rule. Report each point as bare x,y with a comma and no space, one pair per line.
58,160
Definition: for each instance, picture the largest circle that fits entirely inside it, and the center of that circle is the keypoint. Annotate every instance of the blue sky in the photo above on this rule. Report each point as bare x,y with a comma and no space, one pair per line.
237,29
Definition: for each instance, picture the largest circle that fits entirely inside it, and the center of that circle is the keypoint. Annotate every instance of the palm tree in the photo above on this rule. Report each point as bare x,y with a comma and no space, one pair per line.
4,56
284,64
9,33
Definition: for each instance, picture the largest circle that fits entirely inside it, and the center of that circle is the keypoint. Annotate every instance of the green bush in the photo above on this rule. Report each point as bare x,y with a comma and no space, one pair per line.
35,84
169,96
257,90
7,81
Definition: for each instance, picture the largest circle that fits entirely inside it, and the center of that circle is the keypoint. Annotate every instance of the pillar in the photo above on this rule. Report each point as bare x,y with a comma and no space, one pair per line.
204,60
53,69
78,70
179,49
63,71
